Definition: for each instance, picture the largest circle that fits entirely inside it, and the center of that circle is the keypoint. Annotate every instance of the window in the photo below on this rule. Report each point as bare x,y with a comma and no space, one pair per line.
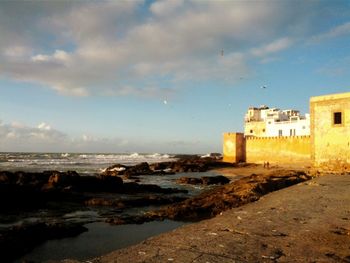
292,132
279,132
251,131
337,118
263,130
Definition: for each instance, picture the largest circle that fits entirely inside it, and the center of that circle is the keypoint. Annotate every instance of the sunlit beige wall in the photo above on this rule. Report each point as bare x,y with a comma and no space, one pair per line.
255,128
233,147
278,150
330,145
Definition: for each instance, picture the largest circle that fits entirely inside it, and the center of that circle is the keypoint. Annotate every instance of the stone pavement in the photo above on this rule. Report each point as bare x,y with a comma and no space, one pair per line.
308,222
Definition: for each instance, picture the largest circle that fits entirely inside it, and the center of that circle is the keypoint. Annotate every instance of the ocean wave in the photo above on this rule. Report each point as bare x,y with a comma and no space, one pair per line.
158,156
134,155
75,161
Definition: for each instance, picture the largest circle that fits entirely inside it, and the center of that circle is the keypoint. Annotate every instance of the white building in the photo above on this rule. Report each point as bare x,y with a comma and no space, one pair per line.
270,122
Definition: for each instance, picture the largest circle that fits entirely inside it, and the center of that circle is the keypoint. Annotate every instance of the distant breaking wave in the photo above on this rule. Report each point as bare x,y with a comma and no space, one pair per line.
80,162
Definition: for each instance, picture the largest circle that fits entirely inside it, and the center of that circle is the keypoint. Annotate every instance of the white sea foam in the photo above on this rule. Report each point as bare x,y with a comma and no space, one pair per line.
134,155
81,162
117,169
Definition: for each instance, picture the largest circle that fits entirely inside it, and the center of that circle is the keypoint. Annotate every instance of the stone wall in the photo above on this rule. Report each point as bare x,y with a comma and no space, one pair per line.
330,144
255,128
327,149
295,149
233,147
283,150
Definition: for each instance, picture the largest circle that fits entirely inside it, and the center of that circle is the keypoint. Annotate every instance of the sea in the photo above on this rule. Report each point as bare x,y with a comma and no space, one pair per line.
83,163
101,237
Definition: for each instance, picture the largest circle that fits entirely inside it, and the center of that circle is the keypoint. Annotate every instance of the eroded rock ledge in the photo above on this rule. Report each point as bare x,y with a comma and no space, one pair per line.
213,202
183,165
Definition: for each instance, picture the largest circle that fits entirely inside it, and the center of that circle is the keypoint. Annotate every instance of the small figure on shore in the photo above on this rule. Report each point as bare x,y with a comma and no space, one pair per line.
266,165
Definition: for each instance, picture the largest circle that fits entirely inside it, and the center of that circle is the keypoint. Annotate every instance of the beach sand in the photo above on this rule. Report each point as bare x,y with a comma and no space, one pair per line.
246,170
307,222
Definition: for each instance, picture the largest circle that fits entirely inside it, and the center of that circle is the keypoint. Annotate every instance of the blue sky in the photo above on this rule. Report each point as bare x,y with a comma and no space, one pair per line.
150,76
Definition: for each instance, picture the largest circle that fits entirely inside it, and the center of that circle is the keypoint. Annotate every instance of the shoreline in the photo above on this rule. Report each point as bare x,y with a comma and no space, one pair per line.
35,204
250,183
306,222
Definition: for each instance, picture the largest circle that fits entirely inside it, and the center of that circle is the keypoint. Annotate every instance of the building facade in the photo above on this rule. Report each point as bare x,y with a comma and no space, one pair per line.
272,122
327,148
330,132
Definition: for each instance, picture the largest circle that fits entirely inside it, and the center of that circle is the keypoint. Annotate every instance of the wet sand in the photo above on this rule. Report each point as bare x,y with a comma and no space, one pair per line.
307,222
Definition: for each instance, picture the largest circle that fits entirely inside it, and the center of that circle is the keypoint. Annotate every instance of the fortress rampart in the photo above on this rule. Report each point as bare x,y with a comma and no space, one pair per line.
295,149
327,148
291,149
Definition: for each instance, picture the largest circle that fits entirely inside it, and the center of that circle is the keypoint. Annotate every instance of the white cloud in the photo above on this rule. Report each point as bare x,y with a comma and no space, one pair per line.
17,51
20,137
44,126
58,55
87,138
338,31
273,47
124,48
165,7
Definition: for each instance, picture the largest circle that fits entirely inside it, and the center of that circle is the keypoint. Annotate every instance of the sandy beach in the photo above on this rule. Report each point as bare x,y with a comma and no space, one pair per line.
307,222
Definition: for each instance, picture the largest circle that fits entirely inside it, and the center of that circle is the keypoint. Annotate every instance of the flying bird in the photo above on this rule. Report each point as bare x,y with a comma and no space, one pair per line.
165,102
263,87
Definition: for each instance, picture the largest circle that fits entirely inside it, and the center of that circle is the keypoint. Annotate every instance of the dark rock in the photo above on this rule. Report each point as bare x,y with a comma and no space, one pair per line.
62,180
114,170
188,180
205,180
160,166
138,169
220,179
190,163
36,189
150,188
119,169
242,191
123,220
105,202
21,239
4,177
134,202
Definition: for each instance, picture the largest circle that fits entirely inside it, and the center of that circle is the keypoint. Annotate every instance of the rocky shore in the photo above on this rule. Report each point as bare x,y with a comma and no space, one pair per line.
117,188
215,201
307,222
24,194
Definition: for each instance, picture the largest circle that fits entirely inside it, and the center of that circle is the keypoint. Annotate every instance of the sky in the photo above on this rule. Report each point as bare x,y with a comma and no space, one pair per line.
167,76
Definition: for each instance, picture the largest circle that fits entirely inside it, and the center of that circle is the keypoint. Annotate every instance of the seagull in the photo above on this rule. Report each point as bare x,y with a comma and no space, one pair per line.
263,87
165,102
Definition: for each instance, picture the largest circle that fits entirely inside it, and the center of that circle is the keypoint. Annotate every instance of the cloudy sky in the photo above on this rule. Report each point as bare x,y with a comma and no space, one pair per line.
160,76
